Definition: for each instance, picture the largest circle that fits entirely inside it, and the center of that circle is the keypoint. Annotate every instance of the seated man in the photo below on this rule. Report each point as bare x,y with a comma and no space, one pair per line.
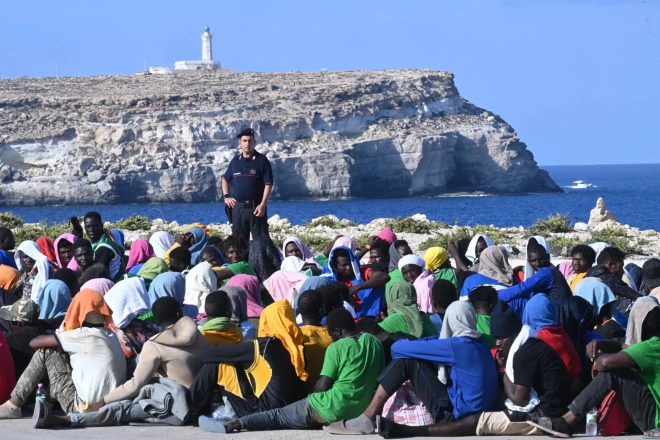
533,367
546,279
219,330
484,299
443,293
172,353
469,388
366,287
350,371
83,363
582,258
106,250
235,250
315,337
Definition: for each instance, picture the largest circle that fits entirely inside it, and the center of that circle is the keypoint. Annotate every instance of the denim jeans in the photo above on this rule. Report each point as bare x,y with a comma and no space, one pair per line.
298,415
112,414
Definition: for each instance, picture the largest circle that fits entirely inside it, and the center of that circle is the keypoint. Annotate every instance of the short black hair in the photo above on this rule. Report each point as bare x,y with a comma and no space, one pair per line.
334,294
343,253
63,243
340,319
383,246
483,296
215,240
217,304
310,304
651,324
68,277
208,251
95,215
5,234
586,251
444,293
463,246
369,325
181,255
611,255
93,272
597,271
536,248
166,310
82,242
400,243
237,242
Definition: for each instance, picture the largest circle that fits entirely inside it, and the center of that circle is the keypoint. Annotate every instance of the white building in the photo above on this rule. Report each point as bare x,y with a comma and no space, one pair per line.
159,70
207,62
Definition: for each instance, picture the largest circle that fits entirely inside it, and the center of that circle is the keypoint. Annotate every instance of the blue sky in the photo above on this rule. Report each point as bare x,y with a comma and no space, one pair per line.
578,80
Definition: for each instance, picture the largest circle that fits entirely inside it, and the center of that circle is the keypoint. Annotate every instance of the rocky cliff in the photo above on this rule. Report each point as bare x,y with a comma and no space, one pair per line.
123,139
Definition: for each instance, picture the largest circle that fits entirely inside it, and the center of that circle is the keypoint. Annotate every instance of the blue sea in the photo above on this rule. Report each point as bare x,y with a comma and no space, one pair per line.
630,191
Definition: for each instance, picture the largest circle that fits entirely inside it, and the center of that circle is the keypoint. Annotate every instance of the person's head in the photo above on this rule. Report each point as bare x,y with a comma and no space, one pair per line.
369,325
180,259
483,299
27,262
583,258
65,251
217,305
612,258
651,324
292,250
651,273
68,277
186,240
215,240
480,247
411,267
235,248
402,248
341,261
211,256
537,256
504,327
443,293
310,306
166,311
93,226
7,241
83,253
340,324
380,252
246,141
334,295
93,272
463,246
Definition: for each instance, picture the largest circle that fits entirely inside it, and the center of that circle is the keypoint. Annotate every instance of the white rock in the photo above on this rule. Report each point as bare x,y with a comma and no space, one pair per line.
581,227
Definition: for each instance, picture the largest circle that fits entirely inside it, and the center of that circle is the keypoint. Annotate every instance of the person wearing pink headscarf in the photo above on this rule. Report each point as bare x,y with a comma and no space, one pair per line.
388,235
284,285
64,253
141,251
100,285
252,288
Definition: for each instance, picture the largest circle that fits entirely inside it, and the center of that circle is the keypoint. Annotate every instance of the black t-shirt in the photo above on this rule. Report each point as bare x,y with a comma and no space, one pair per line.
537,365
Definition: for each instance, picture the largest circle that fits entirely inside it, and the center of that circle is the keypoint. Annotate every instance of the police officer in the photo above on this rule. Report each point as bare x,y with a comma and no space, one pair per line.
252,183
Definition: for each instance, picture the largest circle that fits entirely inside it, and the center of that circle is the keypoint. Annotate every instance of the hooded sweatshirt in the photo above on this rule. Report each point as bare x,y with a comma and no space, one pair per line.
172,353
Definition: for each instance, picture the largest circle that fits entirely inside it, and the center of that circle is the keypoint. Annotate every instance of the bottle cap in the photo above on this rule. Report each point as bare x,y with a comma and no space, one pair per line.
40,385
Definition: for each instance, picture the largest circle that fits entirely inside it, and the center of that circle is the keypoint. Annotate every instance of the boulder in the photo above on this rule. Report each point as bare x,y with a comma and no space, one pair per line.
600,215
581,227
94,176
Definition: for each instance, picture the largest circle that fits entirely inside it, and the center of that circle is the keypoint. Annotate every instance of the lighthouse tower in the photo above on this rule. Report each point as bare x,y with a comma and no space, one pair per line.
207,49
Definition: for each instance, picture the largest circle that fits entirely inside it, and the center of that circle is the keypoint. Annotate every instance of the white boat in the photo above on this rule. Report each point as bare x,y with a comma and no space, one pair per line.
580,184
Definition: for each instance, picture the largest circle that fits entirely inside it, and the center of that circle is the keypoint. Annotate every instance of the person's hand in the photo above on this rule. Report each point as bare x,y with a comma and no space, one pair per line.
260,211
594,371
593,350
230,201
452,248
500,360
98,405
74,222
353,290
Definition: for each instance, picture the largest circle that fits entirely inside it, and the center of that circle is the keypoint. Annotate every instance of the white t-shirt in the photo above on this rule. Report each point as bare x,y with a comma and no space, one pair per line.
97,361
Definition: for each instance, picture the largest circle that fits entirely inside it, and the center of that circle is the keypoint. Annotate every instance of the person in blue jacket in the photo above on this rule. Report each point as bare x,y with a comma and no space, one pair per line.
546,279
464,384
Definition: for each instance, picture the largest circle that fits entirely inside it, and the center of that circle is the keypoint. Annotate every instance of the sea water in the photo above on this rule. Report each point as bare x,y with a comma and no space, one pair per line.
631,192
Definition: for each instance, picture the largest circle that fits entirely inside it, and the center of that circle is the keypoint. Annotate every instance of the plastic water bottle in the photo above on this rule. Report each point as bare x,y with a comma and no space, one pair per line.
592,419
41,393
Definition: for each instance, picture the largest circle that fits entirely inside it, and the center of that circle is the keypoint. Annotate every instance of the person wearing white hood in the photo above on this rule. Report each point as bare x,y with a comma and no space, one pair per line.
35,270
475,248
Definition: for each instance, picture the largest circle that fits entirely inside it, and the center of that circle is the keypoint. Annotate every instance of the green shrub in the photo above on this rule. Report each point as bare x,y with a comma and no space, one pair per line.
443,240
562,246
315,242
9,220
609,231
134,223
616,236
412,226
42,229
495,234
326,221
361,241
555,224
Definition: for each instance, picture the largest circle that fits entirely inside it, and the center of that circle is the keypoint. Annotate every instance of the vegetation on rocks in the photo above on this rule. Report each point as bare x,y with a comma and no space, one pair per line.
555,224
414,226
327,221
41,229
134,223
9,220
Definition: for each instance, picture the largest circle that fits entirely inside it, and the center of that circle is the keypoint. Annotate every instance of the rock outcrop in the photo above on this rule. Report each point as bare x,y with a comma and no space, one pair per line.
122,139
600,217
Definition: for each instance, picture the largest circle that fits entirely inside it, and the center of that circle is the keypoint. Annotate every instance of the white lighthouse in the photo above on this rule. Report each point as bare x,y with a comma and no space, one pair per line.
207,45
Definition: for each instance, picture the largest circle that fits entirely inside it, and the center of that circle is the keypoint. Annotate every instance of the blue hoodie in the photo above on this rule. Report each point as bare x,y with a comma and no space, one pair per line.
371,298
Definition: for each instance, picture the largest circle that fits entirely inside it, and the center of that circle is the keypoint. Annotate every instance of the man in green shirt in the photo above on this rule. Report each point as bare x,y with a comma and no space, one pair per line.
343,391
484,299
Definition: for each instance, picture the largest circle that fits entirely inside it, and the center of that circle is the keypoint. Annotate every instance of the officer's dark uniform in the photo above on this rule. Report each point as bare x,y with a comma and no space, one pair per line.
248,179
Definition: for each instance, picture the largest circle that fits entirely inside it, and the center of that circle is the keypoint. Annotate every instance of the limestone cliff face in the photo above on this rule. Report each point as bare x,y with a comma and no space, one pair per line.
124,139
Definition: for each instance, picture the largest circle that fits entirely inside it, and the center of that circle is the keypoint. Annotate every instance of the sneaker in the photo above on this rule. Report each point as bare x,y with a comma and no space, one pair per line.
42,417
556,426
9,411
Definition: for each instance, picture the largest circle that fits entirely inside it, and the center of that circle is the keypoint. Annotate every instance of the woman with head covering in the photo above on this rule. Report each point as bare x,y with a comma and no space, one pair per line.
414,272
68,277
128,299
99,285
64,252
437,261
8,279
54,300
537,239
339,241
47,248
295,247
199,242
397,250
477,245
285,284
388,235
200,281
173,285
141,251
151,269
292,264
35,270
494,271
403,313
239,310
161,242
250,284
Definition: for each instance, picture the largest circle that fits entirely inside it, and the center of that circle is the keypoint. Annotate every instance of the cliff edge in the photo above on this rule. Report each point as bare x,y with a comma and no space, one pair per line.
169,138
